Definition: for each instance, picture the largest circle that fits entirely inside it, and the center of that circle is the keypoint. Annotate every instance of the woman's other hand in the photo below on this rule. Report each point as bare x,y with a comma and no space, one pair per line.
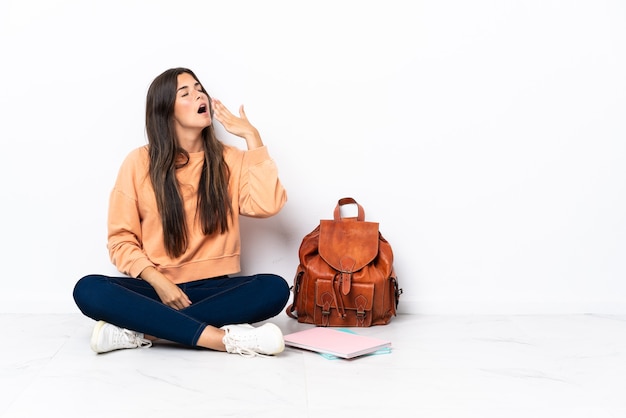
239,126
168,292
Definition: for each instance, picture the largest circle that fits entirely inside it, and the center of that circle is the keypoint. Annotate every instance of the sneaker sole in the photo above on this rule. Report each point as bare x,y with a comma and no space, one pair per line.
94,336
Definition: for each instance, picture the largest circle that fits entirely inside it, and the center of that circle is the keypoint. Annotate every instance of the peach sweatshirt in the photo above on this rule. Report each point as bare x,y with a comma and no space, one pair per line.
135,233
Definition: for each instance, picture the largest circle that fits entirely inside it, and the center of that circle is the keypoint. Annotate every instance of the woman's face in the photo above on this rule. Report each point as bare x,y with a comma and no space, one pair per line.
192,109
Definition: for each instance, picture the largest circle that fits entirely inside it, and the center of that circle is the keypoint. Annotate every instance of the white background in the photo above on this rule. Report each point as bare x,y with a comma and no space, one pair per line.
486,137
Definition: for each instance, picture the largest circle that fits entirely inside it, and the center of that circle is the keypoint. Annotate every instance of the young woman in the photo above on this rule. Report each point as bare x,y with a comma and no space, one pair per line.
173,231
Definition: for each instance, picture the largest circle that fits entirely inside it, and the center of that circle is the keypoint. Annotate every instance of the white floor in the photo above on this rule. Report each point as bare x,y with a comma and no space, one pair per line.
440,366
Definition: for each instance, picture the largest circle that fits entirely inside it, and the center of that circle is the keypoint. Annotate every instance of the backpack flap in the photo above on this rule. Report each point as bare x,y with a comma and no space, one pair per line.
348,246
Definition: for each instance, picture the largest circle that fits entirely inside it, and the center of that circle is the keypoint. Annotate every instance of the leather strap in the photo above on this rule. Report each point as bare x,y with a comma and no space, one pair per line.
347,201
361,303
297,282
341,309
347,268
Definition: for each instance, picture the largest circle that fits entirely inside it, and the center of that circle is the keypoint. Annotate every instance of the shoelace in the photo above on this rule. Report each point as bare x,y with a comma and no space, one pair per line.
236,347
134,338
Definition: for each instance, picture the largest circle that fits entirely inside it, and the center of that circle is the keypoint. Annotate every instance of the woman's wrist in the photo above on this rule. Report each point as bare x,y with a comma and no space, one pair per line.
253,139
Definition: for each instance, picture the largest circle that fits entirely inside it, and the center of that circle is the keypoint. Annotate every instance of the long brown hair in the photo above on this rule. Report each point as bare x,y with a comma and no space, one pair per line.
166,156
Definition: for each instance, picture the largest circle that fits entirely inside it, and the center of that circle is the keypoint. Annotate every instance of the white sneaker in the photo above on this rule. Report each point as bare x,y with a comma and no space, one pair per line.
107,337
248,341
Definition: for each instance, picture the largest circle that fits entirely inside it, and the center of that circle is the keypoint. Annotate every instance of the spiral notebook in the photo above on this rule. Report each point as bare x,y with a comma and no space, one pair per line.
334,342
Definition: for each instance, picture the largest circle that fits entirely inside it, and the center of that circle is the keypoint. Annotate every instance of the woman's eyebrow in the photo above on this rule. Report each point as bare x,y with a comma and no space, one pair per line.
186,87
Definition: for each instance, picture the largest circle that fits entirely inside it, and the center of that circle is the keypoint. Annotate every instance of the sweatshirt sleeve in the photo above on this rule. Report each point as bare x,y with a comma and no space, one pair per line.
124,221
261,194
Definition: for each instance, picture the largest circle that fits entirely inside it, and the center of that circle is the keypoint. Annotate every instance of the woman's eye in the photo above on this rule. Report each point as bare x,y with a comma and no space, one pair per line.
184,94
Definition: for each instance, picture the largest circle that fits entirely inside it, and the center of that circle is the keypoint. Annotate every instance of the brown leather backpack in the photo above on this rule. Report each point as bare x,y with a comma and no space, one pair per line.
345,277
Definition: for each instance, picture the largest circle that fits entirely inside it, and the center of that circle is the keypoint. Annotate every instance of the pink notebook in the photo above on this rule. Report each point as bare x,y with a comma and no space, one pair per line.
338,343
